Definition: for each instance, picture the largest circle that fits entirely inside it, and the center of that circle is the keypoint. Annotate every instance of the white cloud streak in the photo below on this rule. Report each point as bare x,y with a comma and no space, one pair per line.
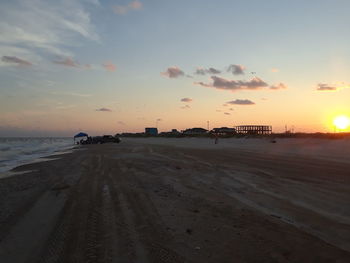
41,27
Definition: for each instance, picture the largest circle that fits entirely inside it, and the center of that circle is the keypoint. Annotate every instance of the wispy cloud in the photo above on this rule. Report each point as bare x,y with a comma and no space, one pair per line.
67,62
278,86
173,72
121,123
45,27
234,85
186,100
332,87
78,94
123,9
326,87
65,107
186,107
104,109
227,113
73,94
109,66
204,71
236,69
241,102
275,70
15,60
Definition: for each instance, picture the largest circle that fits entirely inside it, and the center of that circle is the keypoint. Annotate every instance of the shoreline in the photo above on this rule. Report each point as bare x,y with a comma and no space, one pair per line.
12,170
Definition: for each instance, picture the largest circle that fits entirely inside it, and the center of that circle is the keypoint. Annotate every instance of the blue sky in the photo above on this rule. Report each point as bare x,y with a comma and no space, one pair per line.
103,66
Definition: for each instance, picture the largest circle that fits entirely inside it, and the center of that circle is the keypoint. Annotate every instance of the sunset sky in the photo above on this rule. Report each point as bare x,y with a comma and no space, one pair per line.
119,66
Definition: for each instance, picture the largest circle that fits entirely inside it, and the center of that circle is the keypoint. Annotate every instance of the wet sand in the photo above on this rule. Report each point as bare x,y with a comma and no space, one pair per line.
142,201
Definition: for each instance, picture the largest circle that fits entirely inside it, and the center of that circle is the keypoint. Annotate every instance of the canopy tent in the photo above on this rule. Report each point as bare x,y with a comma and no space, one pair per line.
80,134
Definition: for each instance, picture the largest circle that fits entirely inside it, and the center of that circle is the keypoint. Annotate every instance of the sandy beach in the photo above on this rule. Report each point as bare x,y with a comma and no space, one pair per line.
181,200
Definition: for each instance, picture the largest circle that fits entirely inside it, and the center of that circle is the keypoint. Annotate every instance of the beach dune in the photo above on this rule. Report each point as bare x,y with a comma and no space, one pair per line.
181,200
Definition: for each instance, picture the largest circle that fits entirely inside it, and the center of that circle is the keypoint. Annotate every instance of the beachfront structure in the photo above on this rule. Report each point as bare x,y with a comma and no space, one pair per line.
151,131
173,132
224,131
254,129
195,131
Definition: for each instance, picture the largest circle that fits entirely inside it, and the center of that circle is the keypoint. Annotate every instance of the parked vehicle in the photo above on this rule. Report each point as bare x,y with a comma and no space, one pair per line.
109,138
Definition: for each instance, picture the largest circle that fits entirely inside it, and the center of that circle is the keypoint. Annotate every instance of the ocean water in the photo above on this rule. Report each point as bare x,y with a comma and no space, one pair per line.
17,151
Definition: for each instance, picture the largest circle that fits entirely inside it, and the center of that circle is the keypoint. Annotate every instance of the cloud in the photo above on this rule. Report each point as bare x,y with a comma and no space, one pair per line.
227,113
231,109
173,72
186,107
109,66
332,87
121,123
68,62
159,119
326,87
275,70
135,5
65,107
236,69
104,109
278,86
203,71
123,9
45,27
73,94
186,100
234,85
15,60
241,102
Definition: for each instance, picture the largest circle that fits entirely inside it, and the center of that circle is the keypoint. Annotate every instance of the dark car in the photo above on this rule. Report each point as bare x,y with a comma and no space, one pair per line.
109,138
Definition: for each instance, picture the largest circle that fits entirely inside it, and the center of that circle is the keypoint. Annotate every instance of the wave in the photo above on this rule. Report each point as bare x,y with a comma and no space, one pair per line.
17,151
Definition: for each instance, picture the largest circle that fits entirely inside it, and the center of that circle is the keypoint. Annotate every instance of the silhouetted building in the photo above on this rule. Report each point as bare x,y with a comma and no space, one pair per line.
195,131
151,131
224,131
254,129
172,133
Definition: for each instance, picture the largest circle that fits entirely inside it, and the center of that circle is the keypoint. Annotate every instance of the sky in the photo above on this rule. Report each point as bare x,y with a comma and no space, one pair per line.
106,67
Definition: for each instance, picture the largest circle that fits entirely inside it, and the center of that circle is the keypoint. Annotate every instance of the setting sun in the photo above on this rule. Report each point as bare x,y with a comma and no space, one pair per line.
342,122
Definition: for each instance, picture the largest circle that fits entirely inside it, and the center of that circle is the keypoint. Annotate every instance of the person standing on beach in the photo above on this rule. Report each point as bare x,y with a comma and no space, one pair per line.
216,138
